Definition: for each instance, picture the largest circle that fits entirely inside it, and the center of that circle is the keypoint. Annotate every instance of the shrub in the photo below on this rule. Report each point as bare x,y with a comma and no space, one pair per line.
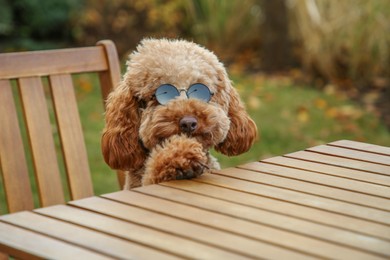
347,42
127,22
228,27
25,24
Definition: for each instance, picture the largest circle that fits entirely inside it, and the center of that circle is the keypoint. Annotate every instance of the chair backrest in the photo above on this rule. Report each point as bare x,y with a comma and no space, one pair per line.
27,69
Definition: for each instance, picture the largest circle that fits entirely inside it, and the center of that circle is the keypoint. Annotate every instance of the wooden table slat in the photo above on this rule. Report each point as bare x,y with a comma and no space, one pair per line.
27,244
341,162
330,201
372,148
283,207
222,239
321,179
352,210
316,189
325,169
352,154
90,239
308,188
241,227
137,233
282,219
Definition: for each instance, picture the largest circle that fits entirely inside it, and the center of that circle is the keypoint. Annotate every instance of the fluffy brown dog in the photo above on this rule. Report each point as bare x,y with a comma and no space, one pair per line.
159,134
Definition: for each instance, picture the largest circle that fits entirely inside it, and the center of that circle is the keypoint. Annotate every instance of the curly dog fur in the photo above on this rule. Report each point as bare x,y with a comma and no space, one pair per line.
144,138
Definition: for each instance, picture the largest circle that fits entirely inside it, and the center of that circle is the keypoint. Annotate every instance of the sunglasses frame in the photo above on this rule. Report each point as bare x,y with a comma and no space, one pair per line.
185,90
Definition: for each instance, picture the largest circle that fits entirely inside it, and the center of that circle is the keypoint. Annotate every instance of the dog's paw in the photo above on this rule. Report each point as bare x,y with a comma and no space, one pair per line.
179,157
196,169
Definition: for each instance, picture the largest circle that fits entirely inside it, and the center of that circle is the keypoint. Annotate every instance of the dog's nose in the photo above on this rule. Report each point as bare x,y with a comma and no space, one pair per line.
188,124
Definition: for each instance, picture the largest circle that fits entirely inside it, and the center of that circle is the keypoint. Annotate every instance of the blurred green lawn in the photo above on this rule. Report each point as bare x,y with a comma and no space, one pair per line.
289,118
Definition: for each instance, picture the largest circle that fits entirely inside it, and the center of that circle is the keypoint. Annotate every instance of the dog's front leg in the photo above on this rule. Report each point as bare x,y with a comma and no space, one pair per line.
178,157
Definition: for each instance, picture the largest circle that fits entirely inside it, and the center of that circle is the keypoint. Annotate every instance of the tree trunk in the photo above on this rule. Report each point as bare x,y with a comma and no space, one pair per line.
276,46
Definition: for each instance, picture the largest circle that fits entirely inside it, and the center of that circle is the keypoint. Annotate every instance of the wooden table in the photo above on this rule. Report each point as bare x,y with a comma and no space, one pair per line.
329,201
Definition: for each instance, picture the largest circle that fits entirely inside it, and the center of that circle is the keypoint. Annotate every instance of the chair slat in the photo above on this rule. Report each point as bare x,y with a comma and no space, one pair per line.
109,80
13,161
43,63
71,134
41,141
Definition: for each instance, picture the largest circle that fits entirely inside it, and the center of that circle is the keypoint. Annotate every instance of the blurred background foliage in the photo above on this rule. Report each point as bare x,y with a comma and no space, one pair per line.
309,71
319,42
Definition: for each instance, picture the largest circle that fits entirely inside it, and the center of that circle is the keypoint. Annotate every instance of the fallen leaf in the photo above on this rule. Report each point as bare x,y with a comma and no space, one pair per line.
331,112
303,114
320,103
351,128
330,89
254,102
85,85
349,112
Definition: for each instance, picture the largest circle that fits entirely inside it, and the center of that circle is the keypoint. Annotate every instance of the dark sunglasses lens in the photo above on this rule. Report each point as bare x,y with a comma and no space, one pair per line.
199,91
165,93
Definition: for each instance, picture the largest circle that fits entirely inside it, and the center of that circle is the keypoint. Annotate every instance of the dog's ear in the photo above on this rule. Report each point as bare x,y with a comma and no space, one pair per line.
120,141
243,131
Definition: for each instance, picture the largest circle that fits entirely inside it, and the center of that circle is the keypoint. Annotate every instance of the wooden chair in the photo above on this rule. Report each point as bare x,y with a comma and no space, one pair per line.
28,69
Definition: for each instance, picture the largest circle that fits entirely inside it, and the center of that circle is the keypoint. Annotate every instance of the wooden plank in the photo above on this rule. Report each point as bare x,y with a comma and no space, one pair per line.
71,134
132,232
340,207
26,244
48,62
353,154
13,161
272,219
41,140
215,237
341,162
282,207
318,167
326,180
90,239
259,230
109,79
3,256
372,148
306,187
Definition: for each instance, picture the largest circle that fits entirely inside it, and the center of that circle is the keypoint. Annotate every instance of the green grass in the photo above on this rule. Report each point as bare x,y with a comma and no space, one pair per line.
289,118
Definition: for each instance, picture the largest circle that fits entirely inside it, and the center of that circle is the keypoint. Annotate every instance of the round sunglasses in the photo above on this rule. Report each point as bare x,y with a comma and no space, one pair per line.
167,92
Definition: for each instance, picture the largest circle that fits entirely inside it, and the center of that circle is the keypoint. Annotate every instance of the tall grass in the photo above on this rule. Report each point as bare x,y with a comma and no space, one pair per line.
347,39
